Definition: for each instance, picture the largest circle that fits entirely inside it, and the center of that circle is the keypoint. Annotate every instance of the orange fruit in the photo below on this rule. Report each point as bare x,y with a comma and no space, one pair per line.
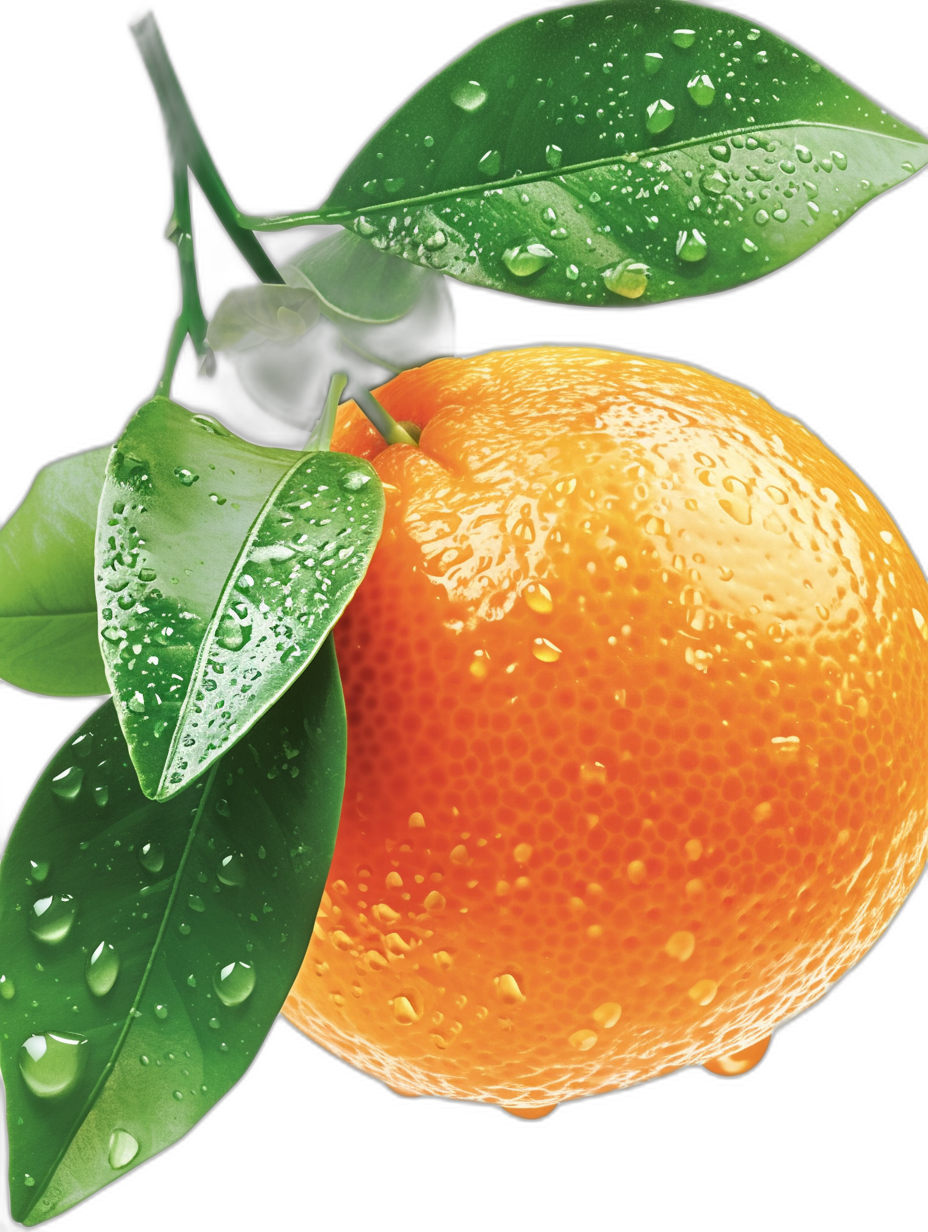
637,688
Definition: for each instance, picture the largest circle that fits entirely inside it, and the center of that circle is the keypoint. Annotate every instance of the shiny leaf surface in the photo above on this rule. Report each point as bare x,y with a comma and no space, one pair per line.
48,615
221,567
146,948
621,153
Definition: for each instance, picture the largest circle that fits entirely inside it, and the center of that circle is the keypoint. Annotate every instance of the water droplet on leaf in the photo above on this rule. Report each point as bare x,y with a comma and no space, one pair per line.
67,784
691,245
52,1063
660,116
234,983
525,259
470,96
102,969
123,1149
52,917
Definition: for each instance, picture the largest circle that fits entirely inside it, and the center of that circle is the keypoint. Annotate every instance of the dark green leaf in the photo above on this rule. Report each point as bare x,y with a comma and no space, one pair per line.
48,614
221,567
252,314
118,917
622,153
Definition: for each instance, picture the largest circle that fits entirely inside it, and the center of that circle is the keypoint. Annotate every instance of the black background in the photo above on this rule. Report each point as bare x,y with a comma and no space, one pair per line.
285,97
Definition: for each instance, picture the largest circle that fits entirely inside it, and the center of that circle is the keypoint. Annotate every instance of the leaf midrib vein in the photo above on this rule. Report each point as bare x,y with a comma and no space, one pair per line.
630,159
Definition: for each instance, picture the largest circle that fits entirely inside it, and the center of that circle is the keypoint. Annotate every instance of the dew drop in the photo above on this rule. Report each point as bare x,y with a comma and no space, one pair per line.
404,1011
67,784
683,38
470,96
234,983
680,945
137,703
701,89
715,182
523,260
660,116
738,509
691,245
195,903
364,226
489,164
703,991
161,1011
630,279
508,990
607,1014
761,217
720,152
803,153
354,481
185,476
52,1063
101,795
38,869
545,651
232,634
123,1149
652,62
7,988
749,245
52,918
232,869
583,1040
102,969
538,597
151,857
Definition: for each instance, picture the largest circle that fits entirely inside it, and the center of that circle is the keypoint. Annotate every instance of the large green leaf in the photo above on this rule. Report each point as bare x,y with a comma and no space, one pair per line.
622,153
48,614
221,568
146,948
390,316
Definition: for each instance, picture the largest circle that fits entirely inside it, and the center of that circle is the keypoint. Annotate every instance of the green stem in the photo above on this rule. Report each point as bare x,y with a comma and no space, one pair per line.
285,222
188,150
323,338
187,144
321,435
192,319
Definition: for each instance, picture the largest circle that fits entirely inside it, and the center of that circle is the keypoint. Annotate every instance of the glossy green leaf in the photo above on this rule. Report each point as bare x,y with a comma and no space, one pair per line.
221,568
48,614
250,315
622,153
146,948
390,314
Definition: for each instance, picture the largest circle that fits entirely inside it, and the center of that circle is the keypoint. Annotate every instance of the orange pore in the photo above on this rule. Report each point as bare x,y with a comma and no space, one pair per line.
637,690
